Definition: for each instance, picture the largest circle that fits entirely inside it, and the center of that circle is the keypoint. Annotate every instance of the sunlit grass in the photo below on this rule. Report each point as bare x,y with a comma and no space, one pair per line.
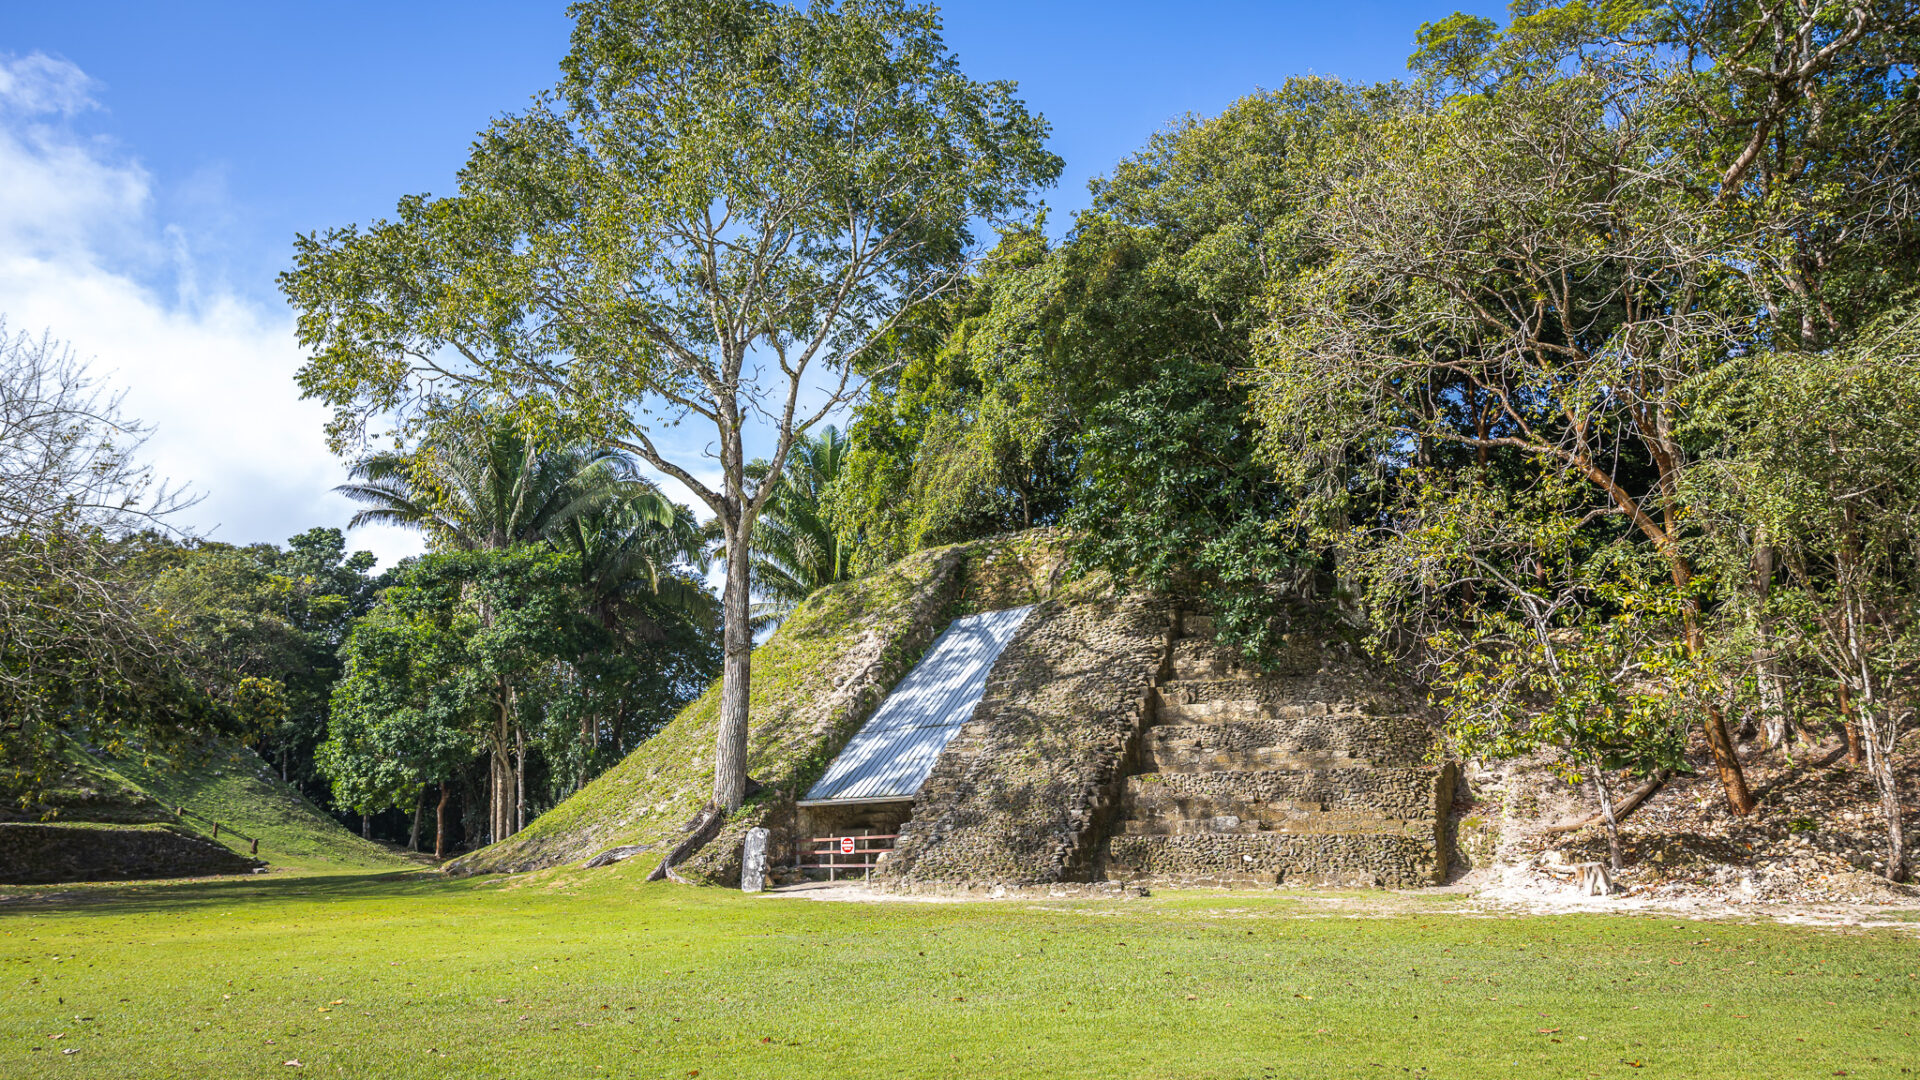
598,975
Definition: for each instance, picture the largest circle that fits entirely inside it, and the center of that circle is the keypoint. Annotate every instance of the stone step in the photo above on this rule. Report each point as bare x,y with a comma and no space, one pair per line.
1265,743
1407,792
1342,859
1200,660
1164,758
1288,696
1290,822
1225,710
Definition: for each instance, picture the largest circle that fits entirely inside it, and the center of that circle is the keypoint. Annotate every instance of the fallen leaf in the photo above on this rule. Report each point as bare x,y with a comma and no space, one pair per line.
291,1064
1547,1031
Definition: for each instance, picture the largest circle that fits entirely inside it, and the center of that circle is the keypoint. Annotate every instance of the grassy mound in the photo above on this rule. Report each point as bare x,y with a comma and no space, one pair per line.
86,789
228,783
216,781
814,682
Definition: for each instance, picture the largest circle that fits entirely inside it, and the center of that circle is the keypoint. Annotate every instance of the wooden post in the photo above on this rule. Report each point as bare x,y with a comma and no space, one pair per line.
255,849
216,830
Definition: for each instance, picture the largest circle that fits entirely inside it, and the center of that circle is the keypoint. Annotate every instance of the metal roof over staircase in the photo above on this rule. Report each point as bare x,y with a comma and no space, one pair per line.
891,755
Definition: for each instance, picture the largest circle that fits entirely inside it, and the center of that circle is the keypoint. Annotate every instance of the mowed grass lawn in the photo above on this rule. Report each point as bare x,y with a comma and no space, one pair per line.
596,974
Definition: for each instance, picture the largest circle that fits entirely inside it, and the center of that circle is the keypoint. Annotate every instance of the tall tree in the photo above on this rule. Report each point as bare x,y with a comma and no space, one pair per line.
1534,267
714,218
1821,455
84,646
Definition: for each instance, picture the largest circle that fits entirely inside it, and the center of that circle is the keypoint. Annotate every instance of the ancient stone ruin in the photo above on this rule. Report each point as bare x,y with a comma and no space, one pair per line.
1308,775
1122,744
1111,740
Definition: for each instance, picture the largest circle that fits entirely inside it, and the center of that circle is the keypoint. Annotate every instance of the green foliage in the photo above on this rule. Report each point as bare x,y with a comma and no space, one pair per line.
1541,631
469,645
1175,498
274,620
1810,472
1095,383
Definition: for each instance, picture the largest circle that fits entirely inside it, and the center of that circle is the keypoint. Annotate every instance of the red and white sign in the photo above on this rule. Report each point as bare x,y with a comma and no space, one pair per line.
846,845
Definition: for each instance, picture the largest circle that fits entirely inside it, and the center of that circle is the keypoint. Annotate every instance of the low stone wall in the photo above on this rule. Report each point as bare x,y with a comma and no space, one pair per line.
32,854
1023,794
1381,740
1394,861
1406,793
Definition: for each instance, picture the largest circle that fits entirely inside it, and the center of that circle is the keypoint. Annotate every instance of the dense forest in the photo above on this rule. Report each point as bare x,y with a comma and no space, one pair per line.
1579,372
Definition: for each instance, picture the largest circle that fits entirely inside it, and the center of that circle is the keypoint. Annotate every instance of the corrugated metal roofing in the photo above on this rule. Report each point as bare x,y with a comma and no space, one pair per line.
891,755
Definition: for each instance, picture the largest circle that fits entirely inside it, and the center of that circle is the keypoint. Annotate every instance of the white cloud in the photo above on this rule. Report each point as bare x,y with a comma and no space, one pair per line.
38,83
83,257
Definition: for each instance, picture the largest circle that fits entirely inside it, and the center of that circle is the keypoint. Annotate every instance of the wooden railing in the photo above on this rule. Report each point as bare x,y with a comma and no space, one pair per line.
183,812
855,851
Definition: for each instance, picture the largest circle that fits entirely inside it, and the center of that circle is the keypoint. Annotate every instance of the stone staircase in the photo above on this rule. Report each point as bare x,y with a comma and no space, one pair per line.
1313,773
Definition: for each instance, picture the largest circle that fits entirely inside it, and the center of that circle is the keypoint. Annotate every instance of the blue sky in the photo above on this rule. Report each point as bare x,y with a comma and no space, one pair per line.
156,159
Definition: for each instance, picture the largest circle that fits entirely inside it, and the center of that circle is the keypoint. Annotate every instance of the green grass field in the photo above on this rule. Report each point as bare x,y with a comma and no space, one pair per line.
584,975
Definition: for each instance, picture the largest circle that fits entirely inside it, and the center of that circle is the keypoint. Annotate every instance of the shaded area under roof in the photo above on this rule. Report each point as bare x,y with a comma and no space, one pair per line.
891,755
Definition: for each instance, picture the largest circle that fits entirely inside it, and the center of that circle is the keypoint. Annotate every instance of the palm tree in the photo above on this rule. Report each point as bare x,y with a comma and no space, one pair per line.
796,549
639,544
482,485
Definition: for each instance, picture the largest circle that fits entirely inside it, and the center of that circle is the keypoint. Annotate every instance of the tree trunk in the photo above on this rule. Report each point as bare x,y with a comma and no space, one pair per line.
1615,855
1880,734
1880,745
519,779
419,811
1774,726
730,744
500,802
440,824
1733,779
366,827
1884,779
1849,726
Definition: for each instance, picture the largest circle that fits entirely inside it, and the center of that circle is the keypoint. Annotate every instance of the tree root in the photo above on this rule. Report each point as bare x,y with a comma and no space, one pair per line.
1625,807
705,828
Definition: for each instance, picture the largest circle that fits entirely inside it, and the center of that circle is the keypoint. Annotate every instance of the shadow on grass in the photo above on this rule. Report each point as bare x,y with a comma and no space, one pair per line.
134,897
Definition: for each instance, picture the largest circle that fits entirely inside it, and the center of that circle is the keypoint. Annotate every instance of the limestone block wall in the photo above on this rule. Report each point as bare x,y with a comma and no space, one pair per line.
1406,793
1025,792
33,854
1403,861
